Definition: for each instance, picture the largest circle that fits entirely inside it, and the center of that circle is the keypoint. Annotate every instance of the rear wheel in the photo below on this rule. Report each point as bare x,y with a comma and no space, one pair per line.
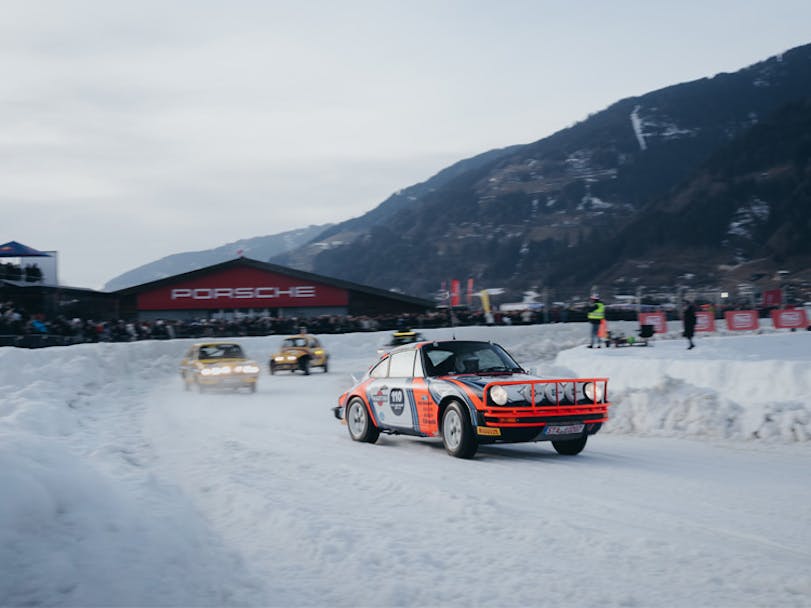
326,366
457,432
359,423
570,447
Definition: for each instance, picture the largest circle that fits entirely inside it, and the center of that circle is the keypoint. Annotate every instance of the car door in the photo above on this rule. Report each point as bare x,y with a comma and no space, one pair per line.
392,396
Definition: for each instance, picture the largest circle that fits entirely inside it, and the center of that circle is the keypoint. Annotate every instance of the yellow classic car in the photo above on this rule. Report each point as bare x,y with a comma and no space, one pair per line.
301,352
218,365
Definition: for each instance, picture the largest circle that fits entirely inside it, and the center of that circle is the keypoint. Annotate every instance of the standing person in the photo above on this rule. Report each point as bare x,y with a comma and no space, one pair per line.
595,317
689,321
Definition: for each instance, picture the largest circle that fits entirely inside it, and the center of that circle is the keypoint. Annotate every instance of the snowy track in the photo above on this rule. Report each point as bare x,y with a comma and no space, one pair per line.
263,500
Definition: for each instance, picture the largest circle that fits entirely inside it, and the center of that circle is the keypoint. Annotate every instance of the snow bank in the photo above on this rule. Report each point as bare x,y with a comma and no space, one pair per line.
71,533
736,387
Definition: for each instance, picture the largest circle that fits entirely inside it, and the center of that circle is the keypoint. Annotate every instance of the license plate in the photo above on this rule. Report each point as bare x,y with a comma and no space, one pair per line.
564,429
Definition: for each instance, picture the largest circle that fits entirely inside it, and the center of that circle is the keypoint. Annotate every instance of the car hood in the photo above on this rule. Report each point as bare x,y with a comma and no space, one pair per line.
231,361
481,380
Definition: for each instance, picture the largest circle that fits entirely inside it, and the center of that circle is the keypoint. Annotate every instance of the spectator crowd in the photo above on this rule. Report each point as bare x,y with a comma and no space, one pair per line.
19,328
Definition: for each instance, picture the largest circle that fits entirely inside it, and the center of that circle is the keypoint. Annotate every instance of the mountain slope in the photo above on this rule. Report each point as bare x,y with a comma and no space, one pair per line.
747,209
518,215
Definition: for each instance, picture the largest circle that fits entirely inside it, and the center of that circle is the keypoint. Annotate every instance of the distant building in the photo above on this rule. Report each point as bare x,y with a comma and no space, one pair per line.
252,288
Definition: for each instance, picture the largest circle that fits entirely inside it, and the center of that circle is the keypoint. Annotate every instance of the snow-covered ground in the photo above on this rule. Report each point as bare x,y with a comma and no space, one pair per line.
117,488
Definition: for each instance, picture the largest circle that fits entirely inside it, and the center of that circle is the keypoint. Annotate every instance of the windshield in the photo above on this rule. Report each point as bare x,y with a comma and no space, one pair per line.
294,342
221,351
460,357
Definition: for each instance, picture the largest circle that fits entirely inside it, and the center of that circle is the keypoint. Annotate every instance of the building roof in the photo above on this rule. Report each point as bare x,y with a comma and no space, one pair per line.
13,249
291,272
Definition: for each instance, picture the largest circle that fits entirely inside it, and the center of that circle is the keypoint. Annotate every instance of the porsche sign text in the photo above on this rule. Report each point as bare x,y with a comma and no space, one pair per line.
243,293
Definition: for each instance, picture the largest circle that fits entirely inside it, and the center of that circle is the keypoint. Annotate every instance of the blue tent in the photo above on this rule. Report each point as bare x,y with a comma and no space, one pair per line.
13,249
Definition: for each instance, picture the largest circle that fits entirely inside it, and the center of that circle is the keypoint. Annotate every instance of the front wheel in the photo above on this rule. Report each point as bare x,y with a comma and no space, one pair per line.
570,447
304,365
359,424
457,432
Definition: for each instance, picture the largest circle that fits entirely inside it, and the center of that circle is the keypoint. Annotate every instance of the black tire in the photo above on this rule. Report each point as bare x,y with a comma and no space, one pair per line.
272,369
457,432
359,423
570,447
326,366
304,365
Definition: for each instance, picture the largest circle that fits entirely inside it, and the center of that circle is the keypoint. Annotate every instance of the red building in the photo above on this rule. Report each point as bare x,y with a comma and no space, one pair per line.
251,287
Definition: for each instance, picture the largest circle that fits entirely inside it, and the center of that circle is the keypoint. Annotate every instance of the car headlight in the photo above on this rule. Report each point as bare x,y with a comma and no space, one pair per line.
219,370
593,391
499,395
279,358
291,357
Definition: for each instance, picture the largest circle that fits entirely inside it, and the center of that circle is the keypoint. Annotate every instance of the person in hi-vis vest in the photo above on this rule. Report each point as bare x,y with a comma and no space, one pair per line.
595,317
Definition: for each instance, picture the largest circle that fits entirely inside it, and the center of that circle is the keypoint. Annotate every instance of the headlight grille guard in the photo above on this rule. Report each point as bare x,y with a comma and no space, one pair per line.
560,392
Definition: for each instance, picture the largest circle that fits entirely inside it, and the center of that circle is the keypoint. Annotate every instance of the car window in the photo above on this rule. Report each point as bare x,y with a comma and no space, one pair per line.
461,357
232,351
209,352
402,364
221,351
380,370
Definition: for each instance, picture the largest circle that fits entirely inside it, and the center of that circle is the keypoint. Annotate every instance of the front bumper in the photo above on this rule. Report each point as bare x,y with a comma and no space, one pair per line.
224,381
285,365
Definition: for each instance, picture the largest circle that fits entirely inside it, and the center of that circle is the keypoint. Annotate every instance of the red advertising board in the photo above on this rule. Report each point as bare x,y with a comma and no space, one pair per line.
739,320
242,288
705,321
657,319
790,318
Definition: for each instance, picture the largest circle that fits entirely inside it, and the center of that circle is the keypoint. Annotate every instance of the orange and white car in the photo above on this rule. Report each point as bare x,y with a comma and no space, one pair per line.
218,365
471,393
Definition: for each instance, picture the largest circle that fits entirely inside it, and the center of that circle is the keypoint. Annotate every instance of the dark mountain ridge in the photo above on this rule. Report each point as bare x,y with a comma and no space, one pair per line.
530,215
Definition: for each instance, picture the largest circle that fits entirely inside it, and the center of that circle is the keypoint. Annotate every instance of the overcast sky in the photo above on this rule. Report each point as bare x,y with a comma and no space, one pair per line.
133,130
